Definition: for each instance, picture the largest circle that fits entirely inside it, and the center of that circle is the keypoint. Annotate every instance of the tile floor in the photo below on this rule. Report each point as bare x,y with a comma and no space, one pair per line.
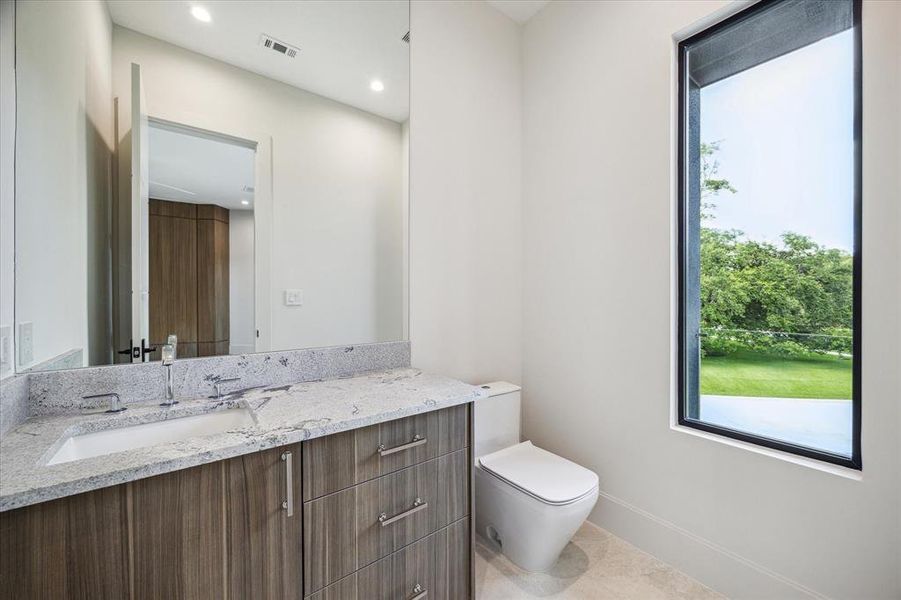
596,565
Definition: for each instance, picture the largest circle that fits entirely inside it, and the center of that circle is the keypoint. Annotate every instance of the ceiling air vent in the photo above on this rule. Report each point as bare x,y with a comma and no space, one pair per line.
406,37
270,42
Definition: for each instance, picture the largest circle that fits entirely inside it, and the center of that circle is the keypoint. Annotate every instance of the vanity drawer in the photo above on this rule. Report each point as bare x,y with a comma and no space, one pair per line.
355,527
342,460
434,568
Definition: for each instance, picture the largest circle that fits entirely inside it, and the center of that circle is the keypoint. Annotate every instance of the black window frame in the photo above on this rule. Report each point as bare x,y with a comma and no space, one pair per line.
684,197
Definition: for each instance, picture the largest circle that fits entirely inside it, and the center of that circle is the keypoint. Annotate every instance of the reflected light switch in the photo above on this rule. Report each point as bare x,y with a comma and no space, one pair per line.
293,297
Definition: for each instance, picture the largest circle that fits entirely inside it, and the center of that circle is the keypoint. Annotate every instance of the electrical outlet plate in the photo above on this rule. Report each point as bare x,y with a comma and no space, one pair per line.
6,359
25,343
293,297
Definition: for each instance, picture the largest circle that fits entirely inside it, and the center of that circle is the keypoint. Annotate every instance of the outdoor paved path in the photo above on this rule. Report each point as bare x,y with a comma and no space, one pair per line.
821,424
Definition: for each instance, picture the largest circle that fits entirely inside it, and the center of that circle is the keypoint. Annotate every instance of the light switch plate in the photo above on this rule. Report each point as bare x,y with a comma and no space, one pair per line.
293,297
25,343
6,358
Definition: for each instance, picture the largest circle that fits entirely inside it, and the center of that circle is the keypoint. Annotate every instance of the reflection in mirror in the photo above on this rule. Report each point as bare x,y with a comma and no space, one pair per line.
200,243
236,183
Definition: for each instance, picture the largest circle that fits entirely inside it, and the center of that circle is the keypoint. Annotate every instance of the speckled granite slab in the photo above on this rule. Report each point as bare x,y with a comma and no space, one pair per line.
53,392
283,414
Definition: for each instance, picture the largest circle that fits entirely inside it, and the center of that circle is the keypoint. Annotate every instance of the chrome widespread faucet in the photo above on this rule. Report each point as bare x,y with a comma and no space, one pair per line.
168,355
115,403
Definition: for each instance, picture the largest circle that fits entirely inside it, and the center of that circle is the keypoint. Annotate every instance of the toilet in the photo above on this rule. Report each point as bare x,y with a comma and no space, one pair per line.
529,502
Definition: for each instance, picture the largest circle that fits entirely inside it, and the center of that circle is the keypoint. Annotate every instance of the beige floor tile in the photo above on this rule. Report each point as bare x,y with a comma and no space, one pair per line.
595,565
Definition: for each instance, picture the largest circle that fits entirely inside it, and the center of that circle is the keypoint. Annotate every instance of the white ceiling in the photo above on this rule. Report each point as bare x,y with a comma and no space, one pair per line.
519,10
199,170
343,45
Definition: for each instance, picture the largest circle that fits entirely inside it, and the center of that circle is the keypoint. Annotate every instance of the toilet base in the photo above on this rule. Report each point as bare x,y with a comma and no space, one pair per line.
529,532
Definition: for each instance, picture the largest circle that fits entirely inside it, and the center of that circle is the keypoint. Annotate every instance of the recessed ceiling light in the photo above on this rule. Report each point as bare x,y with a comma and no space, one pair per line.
245,202
376,85
201,14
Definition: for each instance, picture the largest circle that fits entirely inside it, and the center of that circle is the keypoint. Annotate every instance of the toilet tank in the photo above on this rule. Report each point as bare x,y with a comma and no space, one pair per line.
497,418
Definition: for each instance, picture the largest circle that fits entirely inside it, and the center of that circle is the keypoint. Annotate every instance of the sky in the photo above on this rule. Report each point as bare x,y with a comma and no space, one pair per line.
786,144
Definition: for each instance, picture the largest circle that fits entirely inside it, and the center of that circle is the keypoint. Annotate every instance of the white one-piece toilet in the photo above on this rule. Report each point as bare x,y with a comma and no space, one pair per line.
529,502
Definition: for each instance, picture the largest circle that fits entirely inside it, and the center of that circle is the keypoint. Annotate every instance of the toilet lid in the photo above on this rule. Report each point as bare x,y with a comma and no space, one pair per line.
546,476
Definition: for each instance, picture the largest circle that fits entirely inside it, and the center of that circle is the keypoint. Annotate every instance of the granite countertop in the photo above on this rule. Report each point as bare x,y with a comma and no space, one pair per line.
284,414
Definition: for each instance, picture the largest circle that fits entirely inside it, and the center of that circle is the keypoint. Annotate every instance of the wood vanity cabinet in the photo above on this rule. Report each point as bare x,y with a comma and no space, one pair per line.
214,531
218,530
74,547
381,513
387,509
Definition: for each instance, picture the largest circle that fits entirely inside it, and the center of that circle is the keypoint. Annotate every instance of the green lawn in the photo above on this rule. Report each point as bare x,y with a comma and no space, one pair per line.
752,374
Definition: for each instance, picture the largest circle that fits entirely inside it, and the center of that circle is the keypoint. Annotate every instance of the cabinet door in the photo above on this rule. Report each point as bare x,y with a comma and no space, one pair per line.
264,538
178,534
454,580
74,547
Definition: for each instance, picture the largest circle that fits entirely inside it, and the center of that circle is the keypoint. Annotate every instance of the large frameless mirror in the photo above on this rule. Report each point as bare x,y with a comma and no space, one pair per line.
229,176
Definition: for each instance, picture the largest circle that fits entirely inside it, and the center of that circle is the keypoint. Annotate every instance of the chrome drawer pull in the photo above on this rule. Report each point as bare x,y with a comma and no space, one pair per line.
420,593
418,505
416,441
288,504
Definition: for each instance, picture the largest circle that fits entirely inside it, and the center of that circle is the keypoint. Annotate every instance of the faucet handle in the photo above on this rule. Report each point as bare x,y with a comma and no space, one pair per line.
218,385
115,403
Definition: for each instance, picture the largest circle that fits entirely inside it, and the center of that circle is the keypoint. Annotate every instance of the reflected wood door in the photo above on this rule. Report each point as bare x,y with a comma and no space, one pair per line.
212,280
189,276
173,274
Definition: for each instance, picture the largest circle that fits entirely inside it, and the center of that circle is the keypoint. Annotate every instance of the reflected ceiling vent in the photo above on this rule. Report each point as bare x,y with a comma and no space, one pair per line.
406,37
270,42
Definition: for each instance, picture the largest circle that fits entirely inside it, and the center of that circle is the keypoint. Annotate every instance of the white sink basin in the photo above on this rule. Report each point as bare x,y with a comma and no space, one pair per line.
108,441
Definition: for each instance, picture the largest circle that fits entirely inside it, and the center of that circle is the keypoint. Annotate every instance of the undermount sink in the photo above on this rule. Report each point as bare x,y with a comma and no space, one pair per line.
109,441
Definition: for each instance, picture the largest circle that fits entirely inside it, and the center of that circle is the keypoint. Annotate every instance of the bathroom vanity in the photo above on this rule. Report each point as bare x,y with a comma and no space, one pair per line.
349,488
338,472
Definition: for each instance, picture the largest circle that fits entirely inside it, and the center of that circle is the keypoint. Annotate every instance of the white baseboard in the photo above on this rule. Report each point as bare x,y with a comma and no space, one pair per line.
713,565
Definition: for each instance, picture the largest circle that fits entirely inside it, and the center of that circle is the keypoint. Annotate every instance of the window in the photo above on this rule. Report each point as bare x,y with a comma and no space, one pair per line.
769,228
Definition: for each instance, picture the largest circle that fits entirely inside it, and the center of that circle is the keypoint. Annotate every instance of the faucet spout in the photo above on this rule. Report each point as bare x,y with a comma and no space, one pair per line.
168,359
170,394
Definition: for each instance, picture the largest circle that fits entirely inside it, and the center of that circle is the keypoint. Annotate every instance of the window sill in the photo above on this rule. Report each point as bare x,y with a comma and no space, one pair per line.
802,461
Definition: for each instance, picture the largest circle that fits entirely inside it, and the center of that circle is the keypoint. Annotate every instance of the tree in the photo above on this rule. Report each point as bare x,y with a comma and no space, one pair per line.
793,298
800,293
711,185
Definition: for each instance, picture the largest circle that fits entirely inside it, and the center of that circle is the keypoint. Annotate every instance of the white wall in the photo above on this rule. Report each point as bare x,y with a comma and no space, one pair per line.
337,205
466,279
63,166
7,170
242,330
598,240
